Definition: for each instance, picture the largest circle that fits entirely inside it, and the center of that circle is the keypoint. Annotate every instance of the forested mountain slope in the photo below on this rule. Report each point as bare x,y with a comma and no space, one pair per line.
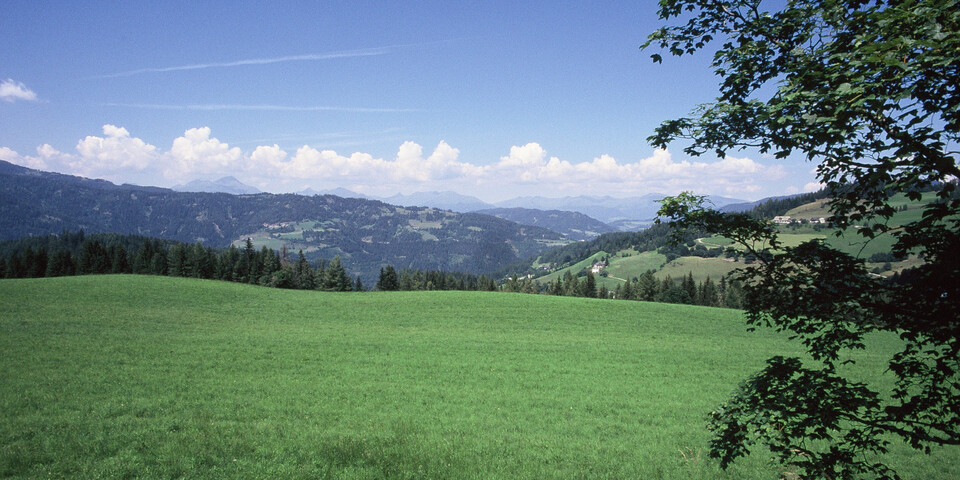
366,234
574,225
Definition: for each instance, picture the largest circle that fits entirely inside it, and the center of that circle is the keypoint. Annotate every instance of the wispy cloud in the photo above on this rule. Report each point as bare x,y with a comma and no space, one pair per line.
366,52
329,139
262,107
11,91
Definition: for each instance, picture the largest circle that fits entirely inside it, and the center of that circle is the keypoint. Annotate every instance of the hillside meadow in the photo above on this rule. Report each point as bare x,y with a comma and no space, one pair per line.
154,377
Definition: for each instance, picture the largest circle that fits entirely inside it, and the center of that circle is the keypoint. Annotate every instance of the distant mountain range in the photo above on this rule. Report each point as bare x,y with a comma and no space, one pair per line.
622,214
609,210
573,225
223,185
367,234
340,192
577,217
445,200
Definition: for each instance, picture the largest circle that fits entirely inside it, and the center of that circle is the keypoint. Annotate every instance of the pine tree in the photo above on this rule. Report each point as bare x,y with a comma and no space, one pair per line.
177,260
589,286
335,279
61,264
571,285
35,262
203,261
648,287
707,293
689,287
303,274
119,262
93,258
388,279
603,292
269,264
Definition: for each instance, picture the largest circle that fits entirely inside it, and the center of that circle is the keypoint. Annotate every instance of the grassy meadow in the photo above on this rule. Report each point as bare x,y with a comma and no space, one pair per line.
152,377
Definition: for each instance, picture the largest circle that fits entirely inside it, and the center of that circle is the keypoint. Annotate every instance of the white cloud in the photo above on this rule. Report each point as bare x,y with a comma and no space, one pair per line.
528,165
11,91
525,170
813,187
313,166
115,152
442,164
197,154
270,157
12,156
48,158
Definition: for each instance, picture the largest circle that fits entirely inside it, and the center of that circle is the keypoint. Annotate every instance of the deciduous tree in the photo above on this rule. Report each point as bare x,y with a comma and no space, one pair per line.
866,90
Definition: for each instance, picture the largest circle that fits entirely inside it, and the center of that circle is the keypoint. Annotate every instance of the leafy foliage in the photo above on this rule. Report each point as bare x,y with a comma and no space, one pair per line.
867,90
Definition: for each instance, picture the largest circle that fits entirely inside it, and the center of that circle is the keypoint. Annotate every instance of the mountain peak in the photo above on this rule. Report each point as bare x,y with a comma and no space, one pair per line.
227,184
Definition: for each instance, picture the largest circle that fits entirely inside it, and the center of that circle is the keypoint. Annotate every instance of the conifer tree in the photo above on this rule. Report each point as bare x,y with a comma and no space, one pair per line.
589,286
303,274
335,279
388,279
647,287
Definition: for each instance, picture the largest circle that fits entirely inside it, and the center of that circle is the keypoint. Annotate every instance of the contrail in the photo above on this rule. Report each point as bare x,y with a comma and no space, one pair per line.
368,52
279,108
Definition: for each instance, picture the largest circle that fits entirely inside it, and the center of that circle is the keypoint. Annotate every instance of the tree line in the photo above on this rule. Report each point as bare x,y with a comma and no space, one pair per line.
726,293
75,253
416,280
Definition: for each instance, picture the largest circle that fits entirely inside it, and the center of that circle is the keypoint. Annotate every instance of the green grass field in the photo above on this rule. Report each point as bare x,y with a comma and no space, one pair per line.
635,265
853,243
573,269
715,268
151,377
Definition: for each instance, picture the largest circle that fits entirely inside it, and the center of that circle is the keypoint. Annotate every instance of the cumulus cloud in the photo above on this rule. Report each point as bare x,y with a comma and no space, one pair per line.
309,163
47,158
197,154
525,169
11,91
115,152
442,164
530,165
409,167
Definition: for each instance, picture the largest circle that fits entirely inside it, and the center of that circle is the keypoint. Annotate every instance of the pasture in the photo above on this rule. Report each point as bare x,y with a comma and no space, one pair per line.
152,377
628,267
701,268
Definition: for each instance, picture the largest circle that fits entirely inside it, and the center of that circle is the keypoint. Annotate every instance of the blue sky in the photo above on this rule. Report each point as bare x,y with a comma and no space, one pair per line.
493,99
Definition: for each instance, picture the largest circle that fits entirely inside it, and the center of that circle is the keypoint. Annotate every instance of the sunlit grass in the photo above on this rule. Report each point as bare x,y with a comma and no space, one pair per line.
701,268
126,376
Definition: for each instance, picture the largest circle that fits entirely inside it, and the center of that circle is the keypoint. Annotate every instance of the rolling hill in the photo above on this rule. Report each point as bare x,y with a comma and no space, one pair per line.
631,254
